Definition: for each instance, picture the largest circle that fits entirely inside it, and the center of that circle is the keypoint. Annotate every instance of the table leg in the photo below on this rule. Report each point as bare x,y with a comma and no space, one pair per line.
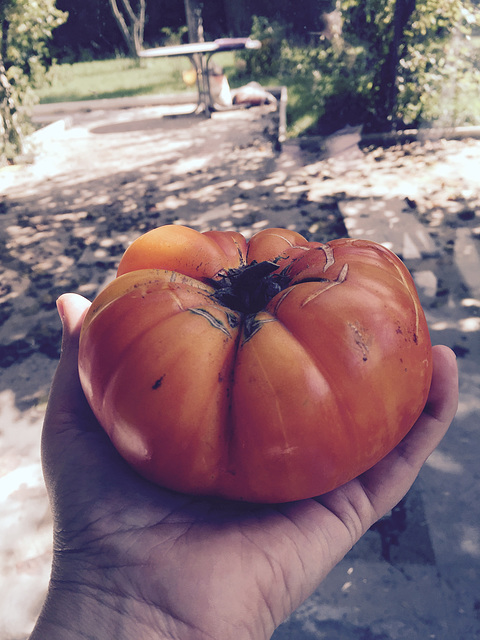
203,84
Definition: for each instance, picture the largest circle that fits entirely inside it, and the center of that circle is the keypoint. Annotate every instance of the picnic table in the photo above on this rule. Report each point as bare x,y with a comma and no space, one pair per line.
199,54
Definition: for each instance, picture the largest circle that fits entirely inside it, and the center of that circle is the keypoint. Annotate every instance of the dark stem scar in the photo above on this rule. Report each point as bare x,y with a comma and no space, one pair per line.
248,289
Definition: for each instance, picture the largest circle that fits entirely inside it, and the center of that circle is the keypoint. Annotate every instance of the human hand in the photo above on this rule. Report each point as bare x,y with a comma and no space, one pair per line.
132,560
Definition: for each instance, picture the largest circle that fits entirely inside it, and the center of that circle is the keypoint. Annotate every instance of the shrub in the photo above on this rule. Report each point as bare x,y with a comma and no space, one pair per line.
26,28
394,64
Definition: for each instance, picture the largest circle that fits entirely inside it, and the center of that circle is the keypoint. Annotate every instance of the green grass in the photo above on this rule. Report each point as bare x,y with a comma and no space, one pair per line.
120,77
124,77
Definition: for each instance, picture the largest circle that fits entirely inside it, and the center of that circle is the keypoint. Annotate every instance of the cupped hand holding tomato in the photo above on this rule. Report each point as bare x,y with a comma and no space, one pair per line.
267,371
133,560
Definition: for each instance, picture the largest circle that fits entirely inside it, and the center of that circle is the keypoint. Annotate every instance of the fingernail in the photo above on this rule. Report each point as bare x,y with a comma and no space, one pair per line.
61,309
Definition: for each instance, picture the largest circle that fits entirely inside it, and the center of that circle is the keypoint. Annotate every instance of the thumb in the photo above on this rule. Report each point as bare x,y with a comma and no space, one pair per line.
71,309
66,398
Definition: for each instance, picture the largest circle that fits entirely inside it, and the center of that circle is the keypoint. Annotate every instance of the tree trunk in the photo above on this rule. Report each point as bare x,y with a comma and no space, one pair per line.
11,144
193,12
131,25
239,20
4,43
388,81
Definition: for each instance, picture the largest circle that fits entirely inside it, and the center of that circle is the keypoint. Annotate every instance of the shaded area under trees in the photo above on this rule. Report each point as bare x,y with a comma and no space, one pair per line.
396,64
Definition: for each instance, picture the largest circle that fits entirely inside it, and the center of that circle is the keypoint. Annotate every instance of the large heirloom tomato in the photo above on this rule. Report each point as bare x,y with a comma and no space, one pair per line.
270,371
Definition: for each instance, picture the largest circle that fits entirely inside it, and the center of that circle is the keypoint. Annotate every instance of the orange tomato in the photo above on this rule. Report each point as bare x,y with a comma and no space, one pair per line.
270,371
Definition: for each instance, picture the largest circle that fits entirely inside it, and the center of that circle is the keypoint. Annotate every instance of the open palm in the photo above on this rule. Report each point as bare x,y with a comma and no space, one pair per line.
151,563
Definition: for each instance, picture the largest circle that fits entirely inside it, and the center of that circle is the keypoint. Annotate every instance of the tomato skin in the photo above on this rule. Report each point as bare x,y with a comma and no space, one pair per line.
184,250
271,243
233,244
284,401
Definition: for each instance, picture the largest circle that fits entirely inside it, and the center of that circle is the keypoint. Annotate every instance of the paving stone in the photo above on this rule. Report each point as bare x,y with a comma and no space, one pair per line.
467,260
389,222
426,282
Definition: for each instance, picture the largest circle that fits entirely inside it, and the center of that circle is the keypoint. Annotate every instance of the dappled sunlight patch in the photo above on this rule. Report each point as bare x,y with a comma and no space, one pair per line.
470,303
441,461
187,165
470,540
208,219
469,324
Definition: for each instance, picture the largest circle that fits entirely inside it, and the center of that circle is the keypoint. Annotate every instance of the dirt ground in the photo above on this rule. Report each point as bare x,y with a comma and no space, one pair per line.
99,179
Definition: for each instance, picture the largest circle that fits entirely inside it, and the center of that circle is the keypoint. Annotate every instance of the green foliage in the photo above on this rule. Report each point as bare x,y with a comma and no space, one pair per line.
331,84
390,64
29,28
269,61
439,73
26,30
421,51
174,36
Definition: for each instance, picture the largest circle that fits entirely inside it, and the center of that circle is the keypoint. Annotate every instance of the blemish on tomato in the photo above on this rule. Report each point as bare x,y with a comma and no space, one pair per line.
158,383
361,340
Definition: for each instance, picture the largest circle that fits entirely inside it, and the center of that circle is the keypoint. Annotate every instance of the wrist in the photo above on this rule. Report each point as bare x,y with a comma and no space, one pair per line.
74,612
81,605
